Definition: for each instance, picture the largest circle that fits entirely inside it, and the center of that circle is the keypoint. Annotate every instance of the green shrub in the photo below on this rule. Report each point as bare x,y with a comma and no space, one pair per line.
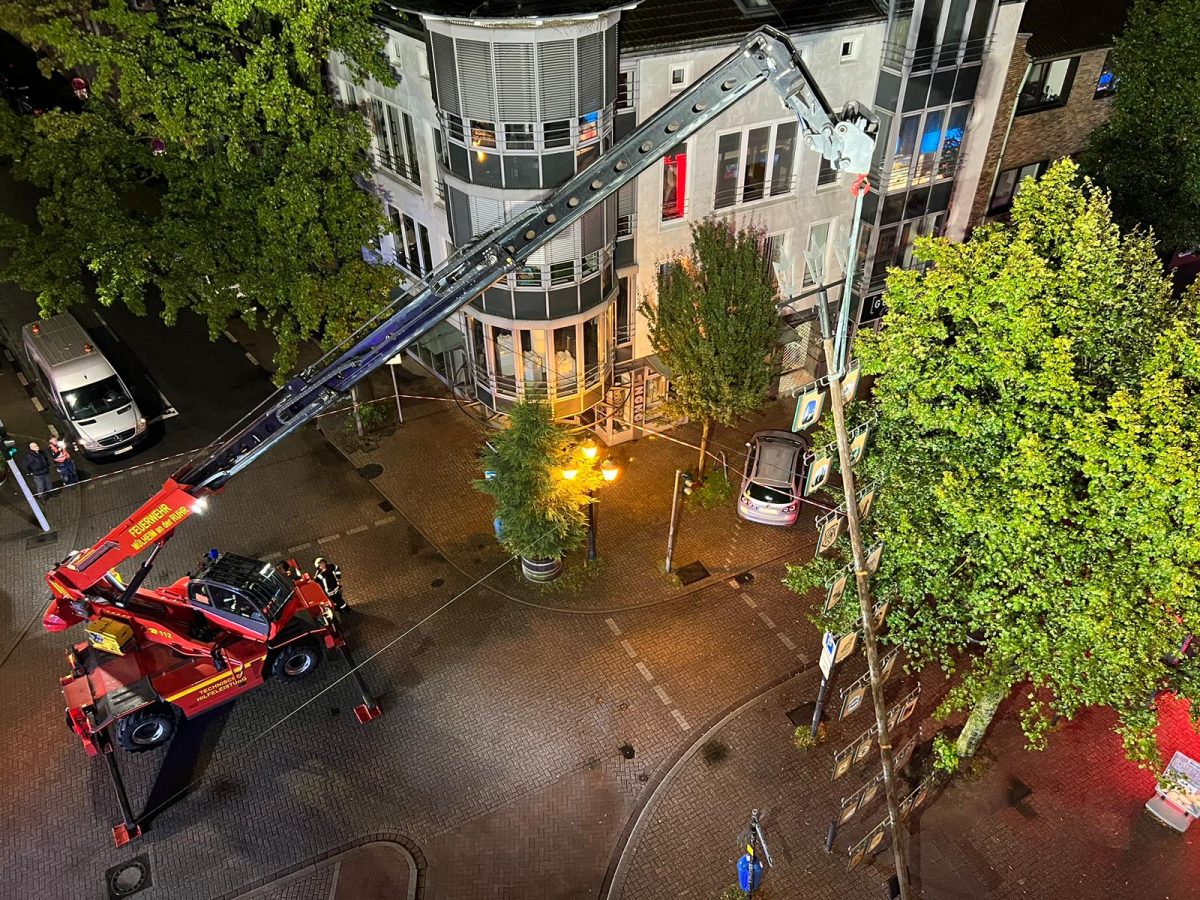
715,490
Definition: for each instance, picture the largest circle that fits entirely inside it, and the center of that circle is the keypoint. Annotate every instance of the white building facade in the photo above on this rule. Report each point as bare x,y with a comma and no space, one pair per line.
495,109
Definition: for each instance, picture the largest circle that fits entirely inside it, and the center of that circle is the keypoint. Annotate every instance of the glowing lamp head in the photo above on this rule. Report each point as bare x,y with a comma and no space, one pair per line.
589,449
609,470
570,473
200,505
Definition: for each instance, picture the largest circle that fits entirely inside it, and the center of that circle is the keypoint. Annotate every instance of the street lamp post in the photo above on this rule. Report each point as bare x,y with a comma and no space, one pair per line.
610,472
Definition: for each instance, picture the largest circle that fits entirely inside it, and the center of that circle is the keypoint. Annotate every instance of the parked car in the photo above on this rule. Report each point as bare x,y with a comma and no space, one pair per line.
774,478
83,386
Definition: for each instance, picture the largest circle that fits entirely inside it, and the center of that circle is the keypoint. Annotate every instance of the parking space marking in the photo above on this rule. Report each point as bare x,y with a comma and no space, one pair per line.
299,547
360,528
53,430
12,359
21,378
232,339
787,641
629,651
683,723
328,538
641,667
385,520
766,620
37,404
662,695
250,356
749,601
612,626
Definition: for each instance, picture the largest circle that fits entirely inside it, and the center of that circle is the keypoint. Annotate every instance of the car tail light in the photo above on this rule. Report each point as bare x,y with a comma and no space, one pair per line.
791,507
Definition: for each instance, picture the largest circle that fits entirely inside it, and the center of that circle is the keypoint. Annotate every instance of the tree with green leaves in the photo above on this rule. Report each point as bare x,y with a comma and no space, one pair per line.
535,471
1036,457
1148,153
209,165
715,324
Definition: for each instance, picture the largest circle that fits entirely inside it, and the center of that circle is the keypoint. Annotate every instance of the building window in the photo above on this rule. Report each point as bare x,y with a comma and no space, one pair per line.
479,345
590,264
1008,185
625,317
533,358
952,142
395,139
556,133
1047,85
589,127
931,141
773,251
624,91
678,77
483,134
591,351
529,276
827,174
815,255
849,51
1106,84
518,137
565,356
562,272
674,184
768,159
410,150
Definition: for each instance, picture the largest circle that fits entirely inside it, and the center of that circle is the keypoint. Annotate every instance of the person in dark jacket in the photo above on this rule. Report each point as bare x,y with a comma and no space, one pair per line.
329,577
36,465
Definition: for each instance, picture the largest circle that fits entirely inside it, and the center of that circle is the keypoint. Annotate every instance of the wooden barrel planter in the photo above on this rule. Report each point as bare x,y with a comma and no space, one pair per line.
541,570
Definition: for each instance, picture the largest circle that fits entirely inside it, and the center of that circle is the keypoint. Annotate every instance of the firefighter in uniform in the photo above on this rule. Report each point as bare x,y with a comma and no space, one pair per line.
329,577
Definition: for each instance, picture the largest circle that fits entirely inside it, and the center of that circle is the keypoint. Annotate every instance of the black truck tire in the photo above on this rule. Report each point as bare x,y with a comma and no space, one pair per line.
296,661
149,727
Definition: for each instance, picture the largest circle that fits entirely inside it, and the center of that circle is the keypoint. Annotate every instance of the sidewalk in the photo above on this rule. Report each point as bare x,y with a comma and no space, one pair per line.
428,465
1064,823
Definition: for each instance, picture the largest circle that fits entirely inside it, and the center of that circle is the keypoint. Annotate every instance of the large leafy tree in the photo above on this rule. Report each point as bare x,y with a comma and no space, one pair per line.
209,165
1148,154
1037,459
715,324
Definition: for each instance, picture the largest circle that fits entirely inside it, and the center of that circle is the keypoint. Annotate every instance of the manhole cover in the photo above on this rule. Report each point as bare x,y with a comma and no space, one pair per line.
386,505
437,582
745,578
627,751
128,878
370,470
692,572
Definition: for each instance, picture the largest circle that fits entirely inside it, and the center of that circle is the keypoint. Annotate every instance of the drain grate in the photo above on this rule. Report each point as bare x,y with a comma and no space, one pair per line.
386,505
128,878
692,573
370,470
744,579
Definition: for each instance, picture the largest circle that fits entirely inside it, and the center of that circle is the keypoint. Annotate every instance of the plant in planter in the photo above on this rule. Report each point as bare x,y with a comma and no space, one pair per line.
541,514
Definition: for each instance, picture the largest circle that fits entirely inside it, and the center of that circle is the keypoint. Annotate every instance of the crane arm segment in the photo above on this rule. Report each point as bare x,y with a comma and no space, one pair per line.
846,139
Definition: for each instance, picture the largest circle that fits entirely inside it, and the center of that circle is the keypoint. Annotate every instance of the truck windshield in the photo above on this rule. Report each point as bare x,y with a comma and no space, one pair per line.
91,400
270,591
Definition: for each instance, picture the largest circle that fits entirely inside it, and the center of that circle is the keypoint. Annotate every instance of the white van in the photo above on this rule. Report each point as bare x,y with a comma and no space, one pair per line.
83,386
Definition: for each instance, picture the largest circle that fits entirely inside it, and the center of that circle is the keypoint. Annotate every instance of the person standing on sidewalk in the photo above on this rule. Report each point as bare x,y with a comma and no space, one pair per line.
63,462
36,465
329,577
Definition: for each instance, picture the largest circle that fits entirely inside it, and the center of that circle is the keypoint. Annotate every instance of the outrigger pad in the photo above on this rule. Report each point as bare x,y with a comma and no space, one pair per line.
122,834
365,713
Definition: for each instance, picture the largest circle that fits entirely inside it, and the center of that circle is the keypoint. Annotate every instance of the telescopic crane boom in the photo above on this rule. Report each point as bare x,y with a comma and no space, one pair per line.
81,583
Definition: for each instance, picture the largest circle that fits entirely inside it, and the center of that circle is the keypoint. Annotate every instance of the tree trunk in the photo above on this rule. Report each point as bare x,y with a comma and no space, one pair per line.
978,721
704,433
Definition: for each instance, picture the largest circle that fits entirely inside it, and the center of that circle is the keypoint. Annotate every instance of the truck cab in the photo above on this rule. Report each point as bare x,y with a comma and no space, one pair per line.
251,597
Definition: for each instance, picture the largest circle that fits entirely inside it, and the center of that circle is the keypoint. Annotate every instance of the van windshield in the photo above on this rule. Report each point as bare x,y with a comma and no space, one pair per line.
95,399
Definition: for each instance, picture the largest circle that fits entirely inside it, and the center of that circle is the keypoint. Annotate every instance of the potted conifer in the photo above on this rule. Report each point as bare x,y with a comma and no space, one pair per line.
532,469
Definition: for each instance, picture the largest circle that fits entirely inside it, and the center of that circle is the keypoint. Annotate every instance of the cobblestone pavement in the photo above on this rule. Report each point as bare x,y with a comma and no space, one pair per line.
516,741
429,463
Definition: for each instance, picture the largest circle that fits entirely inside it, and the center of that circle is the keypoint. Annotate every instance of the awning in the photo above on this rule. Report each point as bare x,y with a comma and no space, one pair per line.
656,363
